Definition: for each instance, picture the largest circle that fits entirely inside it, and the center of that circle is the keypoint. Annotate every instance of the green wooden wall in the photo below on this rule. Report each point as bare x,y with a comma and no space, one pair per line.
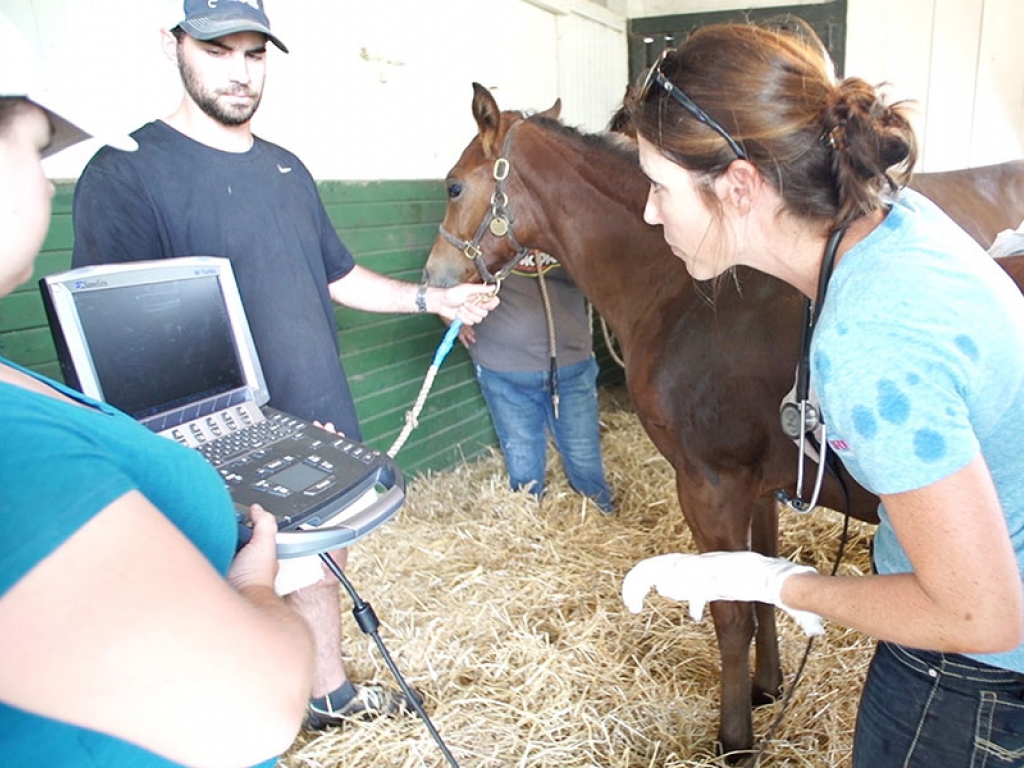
389,226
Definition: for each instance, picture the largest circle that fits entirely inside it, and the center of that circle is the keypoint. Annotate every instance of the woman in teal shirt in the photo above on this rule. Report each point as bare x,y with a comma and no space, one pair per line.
129,635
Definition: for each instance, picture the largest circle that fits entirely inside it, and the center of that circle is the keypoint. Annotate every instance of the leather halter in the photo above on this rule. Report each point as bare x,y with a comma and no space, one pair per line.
498,220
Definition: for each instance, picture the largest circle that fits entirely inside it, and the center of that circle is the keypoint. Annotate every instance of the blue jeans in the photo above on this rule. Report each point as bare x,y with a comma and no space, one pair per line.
522,412
921,709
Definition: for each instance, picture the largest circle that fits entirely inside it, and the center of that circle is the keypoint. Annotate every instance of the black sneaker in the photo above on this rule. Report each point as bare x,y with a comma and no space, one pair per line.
370,702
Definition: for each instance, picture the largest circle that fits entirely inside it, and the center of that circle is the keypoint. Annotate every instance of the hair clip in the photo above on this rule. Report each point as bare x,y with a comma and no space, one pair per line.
835,138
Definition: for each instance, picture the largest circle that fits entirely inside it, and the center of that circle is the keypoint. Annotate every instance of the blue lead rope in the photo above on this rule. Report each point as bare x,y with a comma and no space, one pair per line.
446,343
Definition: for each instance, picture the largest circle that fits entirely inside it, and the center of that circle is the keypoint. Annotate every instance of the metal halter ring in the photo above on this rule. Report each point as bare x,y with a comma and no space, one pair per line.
501,169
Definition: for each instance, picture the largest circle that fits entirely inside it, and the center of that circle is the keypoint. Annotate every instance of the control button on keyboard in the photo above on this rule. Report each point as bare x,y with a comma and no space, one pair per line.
319,487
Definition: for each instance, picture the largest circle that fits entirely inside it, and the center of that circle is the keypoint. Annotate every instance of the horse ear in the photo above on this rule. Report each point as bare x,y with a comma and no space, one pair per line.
488,118
622,121
554,111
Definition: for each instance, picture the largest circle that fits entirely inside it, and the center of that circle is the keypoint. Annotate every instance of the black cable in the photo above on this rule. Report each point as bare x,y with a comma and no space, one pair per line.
368,623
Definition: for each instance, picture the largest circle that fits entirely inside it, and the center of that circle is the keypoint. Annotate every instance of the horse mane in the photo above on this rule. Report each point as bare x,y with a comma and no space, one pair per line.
611,143
622,146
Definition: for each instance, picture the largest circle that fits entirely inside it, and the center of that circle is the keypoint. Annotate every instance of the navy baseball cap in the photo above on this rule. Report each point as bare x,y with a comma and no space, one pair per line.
210,19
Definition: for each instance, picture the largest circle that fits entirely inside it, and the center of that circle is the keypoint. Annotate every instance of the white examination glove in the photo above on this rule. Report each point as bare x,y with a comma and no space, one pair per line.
699,579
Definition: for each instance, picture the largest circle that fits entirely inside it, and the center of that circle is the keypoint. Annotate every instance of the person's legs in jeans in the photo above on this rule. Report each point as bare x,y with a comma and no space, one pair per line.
577,431
921,709
516,401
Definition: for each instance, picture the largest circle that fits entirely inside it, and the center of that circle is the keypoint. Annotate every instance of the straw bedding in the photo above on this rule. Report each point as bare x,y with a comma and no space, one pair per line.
506,613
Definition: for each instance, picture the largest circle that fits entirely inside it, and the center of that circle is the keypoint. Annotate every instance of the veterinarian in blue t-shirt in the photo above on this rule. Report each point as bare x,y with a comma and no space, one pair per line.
758,156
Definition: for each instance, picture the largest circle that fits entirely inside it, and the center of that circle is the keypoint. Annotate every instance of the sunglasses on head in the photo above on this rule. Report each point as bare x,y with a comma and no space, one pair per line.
655,77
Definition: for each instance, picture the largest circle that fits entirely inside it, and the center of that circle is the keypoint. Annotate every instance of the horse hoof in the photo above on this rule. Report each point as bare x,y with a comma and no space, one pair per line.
762,698
736,757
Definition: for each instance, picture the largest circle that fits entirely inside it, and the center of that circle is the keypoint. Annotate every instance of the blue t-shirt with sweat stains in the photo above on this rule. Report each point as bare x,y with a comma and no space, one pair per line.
918,359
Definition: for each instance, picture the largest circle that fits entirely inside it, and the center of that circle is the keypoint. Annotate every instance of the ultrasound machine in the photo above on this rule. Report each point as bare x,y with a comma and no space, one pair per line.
167,342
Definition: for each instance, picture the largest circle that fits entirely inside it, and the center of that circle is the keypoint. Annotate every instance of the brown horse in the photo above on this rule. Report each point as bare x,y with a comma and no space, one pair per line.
983,201
705,369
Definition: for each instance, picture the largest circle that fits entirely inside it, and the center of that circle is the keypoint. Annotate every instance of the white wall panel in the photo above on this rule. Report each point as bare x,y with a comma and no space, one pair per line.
592,71
998,108
963,63
384,92
890,43
395,84
953,80
374,90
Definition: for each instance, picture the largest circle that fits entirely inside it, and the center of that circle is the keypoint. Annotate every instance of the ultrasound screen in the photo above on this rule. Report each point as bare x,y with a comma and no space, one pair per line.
161,345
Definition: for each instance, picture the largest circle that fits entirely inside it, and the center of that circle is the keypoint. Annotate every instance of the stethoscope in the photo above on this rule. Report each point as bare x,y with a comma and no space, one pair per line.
801,419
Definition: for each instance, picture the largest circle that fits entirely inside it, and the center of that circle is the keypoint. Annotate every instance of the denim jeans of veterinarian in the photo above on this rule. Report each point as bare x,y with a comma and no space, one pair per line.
932,710
522,412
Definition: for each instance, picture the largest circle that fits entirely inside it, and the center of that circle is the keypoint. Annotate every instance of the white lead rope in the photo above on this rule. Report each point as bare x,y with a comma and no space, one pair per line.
412,417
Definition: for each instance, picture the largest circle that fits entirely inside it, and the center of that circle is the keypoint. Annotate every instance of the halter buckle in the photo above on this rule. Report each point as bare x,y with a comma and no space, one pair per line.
501,168
472,252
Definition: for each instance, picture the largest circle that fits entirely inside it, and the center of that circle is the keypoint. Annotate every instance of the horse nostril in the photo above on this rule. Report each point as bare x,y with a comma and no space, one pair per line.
438,278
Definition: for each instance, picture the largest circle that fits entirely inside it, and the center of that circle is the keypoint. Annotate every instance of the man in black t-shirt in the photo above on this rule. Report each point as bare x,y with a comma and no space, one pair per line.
202,184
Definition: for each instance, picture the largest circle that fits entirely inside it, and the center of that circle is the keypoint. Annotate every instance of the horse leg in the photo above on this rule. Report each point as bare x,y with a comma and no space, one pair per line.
718,511
764,538
734,628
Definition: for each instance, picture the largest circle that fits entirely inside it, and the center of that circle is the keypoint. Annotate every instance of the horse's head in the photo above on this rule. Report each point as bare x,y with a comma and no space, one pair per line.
622,119
478,238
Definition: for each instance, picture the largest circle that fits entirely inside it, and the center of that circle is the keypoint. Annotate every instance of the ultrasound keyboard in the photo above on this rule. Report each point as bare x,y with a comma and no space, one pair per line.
301,473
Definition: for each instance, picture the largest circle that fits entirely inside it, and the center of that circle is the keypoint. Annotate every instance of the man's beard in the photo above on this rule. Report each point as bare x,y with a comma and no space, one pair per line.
207,100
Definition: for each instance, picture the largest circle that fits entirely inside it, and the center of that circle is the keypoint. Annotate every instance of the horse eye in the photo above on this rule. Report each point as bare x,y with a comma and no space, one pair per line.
454,189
